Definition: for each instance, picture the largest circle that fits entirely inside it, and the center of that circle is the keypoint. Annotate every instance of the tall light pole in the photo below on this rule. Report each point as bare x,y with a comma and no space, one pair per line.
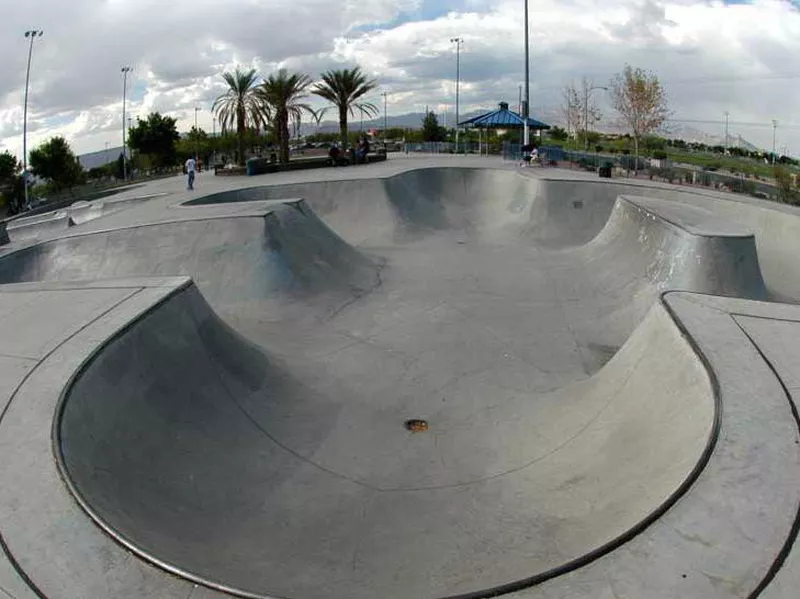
214,135
587,89
726,131
196,110
774,137
458,41
124,71
32,34
385,115
526,138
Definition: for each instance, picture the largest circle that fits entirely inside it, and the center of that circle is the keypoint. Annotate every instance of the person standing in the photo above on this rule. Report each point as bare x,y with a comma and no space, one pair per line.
191,164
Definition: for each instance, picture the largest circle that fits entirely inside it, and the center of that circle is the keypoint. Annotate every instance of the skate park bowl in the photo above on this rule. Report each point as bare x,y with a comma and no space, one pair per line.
590,361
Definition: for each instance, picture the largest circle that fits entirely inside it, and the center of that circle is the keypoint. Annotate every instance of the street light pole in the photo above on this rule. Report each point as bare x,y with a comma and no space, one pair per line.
586,91
458,41
385,115
526,139
125,71
32,34
196,109
774,136
214,135
726,132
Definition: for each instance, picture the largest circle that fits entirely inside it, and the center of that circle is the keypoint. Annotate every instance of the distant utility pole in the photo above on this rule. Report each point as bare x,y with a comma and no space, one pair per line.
519,104
32,34
774,137
726,131
125,71
587,89
458,41
196,110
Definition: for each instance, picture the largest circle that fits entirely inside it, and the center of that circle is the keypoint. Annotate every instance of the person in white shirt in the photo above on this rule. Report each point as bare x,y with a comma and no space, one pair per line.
190,168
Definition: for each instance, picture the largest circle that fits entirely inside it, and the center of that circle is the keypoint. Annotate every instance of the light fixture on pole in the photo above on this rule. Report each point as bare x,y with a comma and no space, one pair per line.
32,34
124,71
526,138
458,41
774,137
586,91
385,115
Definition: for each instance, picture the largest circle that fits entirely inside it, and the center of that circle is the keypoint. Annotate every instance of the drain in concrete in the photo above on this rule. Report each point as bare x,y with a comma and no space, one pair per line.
416,425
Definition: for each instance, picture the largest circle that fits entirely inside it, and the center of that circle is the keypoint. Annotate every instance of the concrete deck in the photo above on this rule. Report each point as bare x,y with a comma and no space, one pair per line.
608,382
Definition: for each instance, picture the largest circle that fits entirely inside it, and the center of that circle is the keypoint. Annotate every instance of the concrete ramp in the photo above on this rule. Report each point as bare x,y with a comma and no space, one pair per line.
179,437
248,430
283,250
36,227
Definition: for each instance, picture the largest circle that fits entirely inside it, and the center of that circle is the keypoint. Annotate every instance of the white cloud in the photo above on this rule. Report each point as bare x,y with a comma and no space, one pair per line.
712,57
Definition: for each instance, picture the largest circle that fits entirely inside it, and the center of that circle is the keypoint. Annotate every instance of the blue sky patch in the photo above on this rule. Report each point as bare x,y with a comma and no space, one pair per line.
428,11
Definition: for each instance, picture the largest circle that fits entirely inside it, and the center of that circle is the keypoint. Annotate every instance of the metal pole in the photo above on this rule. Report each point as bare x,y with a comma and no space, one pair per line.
585,116
214,137
458,41
125,71
526,105
774,135
385,115
31,33
195,132
726,132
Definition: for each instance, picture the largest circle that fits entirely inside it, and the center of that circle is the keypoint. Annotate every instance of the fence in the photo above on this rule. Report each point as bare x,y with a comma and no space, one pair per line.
444,147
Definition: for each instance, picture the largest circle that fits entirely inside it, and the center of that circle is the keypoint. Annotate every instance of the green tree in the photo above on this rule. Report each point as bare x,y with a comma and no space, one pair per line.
11,185
155,136
431,131
283,93
9,167
55,162
345,89
641,102
786,189
558,134
240,107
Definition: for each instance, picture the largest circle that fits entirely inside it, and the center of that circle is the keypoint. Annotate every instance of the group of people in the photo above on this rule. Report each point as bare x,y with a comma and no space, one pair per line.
358,155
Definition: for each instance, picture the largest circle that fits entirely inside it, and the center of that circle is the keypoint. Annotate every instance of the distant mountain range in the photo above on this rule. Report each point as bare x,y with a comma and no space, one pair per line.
101,158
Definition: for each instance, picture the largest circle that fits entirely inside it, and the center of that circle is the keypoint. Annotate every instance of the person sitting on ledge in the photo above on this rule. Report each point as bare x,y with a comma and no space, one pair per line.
362,150
527,149
333,155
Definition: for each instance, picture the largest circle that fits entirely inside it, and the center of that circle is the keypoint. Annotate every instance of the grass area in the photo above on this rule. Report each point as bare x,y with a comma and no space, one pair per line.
732,164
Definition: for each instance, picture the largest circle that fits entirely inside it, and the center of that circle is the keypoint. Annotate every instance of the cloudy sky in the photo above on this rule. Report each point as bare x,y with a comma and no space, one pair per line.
739,57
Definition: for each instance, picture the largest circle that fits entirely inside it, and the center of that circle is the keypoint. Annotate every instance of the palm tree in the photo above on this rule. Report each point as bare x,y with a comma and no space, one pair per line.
240,106
345,90
282,93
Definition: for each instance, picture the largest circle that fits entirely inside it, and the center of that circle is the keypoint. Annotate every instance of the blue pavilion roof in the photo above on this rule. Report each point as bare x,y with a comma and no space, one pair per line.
503,118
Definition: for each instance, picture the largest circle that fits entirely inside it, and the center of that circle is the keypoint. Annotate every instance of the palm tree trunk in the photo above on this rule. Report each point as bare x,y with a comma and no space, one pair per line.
284,136
240,133
343,127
